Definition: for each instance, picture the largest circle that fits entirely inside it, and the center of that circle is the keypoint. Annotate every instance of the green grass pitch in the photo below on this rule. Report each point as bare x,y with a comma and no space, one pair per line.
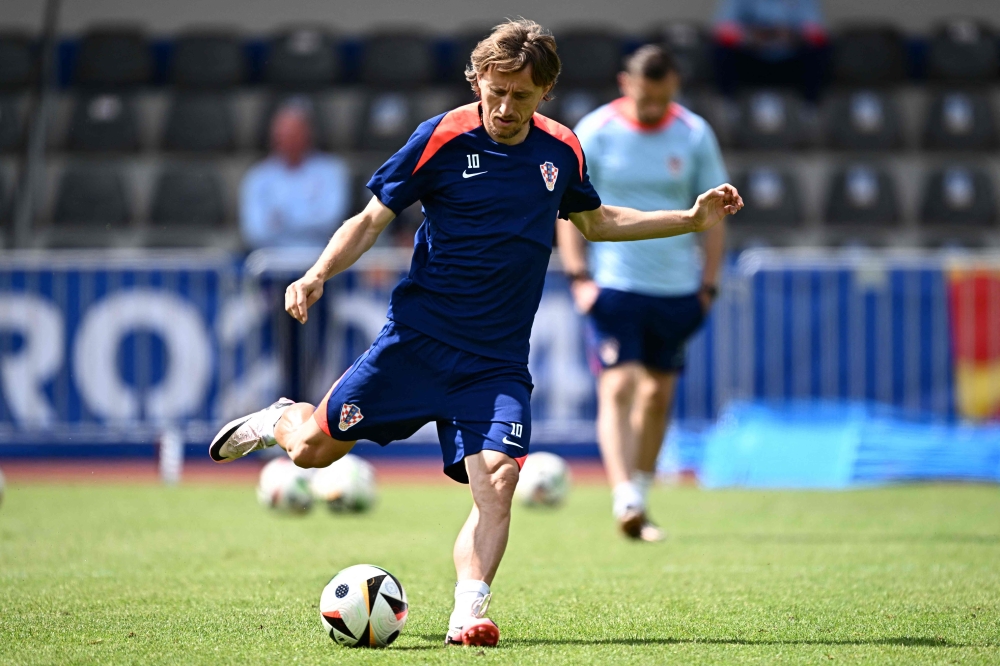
201,574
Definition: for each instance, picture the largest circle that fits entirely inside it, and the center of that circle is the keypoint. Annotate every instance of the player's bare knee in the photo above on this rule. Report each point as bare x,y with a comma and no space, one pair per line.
504,479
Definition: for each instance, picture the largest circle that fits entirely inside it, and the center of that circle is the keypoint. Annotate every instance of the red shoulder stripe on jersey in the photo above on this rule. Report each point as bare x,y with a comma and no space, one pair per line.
457,121
673,111
562,133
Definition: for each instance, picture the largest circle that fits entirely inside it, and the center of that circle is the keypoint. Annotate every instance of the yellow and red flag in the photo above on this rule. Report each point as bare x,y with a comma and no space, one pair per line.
974,301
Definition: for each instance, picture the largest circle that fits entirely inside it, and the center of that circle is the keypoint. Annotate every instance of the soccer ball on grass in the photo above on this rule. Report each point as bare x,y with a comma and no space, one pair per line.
363,606
284,487
347,485
544,480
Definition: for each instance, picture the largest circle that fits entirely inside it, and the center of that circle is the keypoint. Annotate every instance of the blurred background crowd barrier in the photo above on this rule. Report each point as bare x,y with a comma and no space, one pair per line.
108,349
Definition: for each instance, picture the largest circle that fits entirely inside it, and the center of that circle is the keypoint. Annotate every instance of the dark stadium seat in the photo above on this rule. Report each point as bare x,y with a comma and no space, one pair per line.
188,194
863,120
692,50
771,197
590,58
397,60
958,195
869,55
199,122
963,50
321,134
960,120
103,122
387,120
570,105
11,124
302,59
769,121
461,50
207,60
91,194
18,64
862,194
111,57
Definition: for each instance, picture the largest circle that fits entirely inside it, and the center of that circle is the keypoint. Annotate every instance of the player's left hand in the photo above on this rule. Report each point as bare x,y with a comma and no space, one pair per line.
714,205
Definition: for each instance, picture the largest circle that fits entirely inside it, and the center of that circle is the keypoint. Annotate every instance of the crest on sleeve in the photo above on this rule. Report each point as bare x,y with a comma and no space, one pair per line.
349,416
549,173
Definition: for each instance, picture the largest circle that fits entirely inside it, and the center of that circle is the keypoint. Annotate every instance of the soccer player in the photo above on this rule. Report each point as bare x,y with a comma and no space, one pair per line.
646,297
492,177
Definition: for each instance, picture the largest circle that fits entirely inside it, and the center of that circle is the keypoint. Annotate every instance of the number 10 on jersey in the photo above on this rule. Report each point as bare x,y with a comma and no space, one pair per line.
473,161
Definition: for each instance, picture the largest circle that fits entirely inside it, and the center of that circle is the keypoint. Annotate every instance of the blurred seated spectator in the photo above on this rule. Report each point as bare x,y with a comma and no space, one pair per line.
297,196
770,43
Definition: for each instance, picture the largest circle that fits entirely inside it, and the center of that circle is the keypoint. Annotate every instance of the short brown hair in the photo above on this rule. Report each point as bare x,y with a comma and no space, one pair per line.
651,61
512,46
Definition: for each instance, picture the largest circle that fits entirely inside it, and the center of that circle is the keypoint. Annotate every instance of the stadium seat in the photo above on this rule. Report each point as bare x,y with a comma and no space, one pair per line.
769,121
771,198
963,50
864,120
302,59
321,134
111,57
91,194
18,64
569,106
862,194
188,194
692,50
397,60
103,122
207,60
387,121
869,55
960,120
590,58
11,124
958,195
199,122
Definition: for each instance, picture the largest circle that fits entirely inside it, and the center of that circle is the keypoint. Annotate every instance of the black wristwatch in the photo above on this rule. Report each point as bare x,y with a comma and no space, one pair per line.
578,275
709,289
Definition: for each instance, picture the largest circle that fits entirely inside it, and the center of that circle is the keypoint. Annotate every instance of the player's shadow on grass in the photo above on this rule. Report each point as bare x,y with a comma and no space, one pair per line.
903,641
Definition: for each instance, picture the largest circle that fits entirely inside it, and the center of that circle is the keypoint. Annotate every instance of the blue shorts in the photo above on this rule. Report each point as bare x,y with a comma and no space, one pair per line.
652,330
407,379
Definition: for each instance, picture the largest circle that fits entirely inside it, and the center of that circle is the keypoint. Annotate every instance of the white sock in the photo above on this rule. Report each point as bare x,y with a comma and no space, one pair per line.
469,595
643,481
268,431
626,496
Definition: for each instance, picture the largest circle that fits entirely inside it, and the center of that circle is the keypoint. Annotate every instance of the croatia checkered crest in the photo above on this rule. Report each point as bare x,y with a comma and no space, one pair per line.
349,416
549,173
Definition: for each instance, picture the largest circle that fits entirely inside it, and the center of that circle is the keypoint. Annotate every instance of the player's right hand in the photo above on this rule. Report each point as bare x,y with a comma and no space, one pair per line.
301,294
585,293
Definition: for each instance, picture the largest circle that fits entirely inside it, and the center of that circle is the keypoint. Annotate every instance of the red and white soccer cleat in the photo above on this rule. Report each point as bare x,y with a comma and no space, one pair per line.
247,433
477,632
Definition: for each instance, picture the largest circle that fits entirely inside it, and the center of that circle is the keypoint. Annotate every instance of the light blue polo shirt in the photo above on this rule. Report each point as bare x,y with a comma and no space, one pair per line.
661,168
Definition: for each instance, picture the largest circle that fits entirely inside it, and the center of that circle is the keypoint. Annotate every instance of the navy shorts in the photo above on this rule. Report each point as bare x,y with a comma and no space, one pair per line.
652,330
407,379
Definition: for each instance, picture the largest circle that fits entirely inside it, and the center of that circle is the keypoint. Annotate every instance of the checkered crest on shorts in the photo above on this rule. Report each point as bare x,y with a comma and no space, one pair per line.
349,416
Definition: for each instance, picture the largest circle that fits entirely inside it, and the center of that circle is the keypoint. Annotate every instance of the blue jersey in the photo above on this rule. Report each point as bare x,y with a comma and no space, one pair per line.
650,168
480,256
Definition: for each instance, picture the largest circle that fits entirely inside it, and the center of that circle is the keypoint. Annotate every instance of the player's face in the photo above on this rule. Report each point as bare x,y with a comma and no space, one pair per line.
509,100
651,97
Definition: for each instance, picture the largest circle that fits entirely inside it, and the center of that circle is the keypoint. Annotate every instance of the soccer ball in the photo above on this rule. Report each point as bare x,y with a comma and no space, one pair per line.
284,487
544,480
363,606
346,485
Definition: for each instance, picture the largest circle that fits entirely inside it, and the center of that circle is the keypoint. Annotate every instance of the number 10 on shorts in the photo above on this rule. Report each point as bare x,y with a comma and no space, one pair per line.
516,429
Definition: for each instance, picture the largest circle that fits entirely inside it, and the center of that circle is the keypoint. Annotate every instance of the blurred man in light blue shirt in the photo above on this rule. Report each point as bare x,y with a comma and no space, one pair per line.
644,299
296,197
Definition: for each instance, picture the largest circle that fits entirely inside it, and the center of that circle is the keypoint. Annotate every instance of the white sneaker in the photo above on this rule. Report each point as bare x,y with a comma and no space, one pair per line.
247,433
478,630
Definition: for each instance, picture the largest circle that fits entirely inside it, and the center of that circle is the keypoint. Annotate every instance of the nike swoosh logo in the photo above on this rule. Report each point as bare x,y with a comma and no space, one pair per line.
466,174
507,441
